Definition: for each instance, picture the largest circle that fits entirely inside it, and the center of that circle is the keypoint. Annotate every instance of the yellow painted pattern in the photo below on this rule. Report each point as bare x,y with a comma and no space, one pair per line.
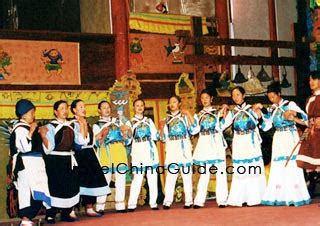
44,100
162,23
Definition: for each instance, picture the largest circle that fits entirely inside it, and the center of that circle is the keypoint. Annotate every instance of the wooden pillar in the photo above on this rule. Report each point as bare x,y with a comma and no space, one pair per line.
200,80
199,74
273,35
120,28
221,11
221,14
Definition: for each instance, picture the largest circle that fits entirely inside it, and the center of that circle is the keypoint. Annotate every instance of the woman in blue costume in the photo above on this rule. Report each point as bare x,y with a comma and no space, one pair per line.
111,137
286,184
210,151
144,154
176,132
248,178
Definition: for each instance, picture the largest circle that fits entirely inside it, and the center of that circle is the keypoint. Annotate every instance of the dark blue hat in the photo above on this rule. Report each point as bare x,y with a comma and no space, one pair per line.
23,106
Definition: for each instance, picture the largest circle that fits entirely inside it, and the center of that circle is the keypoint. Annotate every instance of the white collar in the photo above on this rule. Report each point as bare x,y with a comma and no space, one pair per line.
279,104
317,92
208,109
241,106
139,117
60,121
108,118
174,114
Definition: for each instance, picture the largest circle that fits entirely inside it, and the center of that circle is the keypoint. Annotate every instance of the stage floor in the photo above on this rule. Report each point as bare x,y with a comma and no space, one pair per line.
210,215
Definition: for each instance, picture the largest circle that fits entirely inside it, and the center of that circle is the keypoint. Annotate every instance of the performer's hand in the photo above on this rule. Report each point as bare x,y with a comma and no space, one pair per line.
103,135
258,112
105,131
288,115
257,106
33,127
124,129
317,122
185,112
257,109
43,130
224,109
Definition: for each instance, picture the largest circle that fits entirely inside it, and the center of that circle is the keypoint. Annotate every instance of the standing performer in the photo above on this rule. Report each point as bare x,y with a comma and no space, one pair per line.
286,184
248,178
309,153
176,132
210,151
144,156
91,178
61,164
29,171
111,136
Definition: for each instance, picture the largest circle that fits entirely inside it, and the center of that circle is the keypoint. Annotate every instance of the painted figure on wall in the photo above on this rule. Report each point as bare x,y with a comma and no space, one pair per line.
135,51
5,61
177,51
53,61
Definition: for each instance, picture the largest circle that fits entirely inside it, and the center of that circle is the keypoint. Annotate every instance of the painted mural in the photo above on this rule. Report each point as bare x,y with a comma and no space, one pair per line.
167,56
39,62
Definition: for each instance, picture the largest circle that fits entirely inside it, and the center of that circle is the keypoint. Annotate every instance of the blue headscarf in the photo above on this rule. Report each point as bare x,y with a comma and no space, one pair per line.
23,106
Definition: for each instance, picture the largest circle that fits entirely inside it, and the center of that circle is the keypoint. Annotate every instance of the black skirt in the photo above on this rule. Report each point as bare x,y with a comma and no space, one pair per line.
63,181
91,178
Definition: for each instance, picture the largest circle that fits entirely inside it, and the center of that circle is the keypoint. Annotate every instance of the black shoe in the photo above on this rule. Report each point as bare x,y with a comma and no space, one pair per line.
196,207
155,208
101,212
187,207
67,219
50,220
121,211
312,178
112,184
131,210
222,206
96,214
165,207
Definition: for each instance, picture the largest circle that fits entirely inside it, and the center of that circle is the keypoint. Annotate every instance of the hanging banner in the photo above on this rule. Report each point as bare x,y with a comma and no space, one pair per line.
24,62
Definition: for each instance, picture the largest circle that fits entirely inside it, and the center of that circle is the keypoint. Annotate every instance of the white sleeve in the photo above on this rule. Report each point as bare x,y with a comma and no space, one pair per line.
196,125
51,141
226,122
267,121
294,107
129,139
154,132
96,129
23,141
165,133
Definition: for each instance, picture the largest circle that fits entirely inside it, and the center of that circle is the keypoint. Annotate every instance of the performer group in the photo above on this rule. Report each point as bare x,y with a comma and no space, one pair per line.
67,161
